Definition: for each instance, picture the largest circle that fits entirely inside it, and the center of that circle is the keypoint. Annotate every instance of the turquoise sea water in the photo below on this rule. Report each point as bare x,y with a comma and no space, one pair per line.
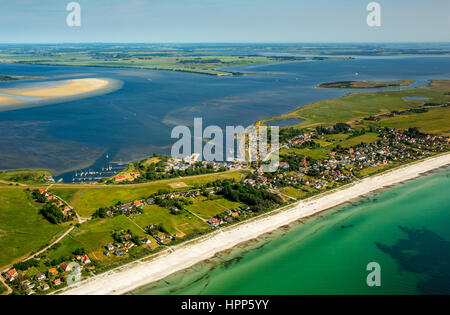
405,229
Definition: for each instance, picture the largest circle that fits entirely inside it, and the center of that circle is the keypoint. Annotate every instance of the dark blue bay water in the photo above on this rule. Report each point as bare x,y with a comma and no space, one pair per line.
136,121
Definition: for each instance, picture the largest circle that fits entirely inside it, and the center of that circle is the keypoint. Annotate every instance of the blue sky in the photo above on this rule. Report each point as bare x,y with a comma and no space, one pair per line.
33,21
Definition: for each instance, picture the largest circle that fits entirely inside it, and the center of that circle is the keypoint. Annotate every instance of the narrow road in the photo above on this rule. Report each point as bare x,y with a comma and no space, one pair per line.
46,248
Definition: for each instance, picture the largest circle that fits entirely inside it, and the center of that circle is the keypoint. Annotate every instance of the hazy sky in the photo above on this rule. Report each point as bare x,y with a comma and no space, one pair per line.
34,21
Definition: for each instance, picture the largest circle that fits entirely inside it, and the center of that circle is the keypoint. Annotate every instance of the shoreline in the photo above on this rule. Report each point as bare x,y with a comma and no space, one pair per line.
143,272
54,95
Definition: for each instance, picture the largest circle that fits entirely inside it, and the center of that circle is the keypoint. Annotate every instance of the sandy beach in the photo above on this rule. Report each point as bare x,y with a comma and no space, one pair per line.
4,100
142,272
59,92
73,87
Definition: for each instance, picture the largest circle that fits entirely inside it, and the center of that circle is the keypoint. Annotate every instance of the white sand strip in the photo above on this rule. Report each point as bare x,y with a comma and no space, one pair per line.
137,274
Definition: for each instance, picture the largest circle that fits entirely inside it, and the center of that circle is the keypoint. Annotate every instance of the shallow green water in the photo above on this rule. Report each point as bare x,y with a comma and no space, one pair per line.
329,254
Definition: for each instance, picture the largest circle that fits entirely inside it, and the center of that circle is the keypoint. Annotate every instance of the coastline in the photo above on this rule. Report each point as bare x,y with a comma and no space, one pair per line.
74,90
144,271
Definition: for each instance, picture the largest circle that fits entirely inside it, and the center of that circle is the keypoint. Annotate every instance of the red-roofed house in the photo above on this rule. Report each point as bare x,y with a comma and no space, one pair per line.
11,275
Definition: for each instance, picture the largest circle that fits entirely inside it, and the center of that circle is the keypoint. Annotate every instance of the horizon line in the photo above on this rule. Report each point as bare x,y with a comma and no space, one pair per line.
212,43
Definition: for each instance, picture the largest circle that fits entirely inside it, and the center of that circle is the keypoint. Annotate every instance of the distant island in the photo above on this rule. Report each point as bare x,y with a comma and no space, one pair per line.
363,84
4,77
200,60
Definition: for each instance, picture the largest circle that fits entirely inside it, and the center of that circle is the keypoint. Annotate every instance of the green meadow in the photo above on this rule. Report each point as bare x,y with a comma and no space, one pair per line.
22,229
183,223
356,106
29,177
435,121
87,199
207,209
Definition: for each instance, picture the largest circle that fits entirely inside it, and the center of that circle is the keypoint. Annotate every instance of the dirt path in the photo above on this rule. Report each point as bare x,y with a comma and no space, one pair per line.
8,289
46,248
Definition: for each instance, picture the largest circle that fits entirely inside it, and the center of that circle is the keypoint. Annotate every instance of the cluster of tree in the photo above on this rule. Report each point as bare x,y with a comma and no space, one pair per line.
288,133
335,129
177,203
155,229
119,237
259,200
357,132
295,161
100,213
53,214
414,133
25,265
156,171
38,196
308,144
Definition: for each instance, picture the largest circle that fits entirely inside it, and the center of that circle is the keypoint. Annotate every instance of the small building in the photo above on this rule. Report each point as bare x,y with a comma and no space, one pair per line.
161,237
137,203
66,267
57,281
40,276
120,252
85,259
11,275
45,287
109,246
146,241
53,271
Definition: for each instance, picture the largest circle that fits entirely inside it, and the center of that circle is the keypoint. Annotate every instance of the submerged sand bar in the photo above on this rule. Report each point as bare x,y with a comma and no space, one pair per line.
142,272
73,87
14,98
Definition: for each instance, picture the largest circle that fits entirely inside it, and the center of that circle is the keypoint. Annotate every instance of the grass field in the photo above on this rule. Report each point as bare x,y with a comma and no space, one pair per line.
2,288
93,236
163,59
357,106
209,208
29,177
88,199
316,154
22,228
182,224
365,138
435,121
293,192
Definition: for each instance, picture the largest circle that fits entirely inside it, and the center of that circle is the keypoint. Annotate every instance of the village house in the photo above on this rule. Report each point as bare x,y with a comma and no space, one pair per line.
120,252
146,241
11,275
45,287
40,276
66,267
161,237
